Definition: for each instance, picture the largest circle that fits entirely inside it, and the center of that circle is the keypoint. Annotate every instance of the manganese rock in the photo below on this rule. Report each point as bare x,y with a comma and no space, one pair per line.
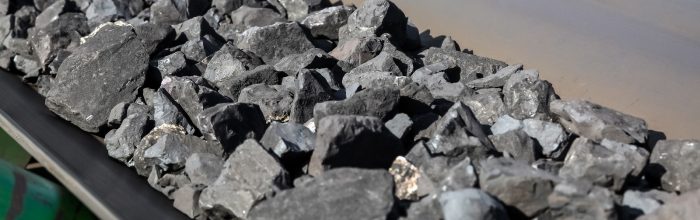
526,96
440,79
327,197
61,33
232,124
353,141
370,102
326,22
310,88
459,134
312,59
471,66
170,152
166,111
487,107
446,173
549,135
515,144
265,74
273,42
578,200
597,123
353,52
192,95
298,9
471,203
203,168
246,17
675,162
249,175
228,63
108,68
374,18
497,79
683,207
121,143
274,101
291,142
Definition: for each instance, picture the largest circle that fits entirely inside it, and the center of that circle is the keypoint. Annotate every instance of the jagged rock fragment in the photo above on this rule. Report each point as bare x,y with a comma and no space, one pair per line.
675,163
597,122
274,42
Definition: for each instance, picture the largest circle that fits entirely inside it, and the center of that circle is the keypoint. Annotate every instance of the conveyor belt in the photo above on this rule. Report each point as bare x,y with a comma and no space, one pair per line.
79,161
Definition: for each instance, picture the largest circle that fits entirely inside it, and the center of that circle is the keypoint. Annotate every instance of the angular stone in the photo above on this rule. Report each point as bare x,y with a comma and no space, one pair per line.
24,19
353,52
170,65
298,9
496,80
515,144
61,33
605,166
374,18
411,183
121,143
228,63
428,208
291,142
683,207
449,44
471,203
487,107
311,59
415,99
577,200
399,125
549,135
108,68
170,152
381,63
101,11
370,102
226,6
471,66
232,124
328,195
43,84
376,80
637,203
154,36
192,95
150,139
168,12
517,185
459,134
166,111
30,67
675,163
264,74
50,13
203,168
525,96
187,200
435,78
194,28
168,183
274,101
310,89
597,122
246,17
636,155
446,173
274,42
249,175
353,141
505,124
326,22
197,50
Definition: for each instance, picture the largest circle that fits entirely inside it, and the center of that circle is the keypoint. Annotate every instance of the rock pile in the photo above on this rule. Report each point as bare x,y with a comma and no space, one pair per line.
302,109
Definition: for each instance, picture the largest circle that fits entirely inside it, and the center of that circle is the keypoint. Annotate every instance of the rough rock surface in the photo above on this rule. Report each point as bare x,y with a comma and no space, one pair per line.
273,42
577,200
470,204
231,124
370,102
597,122
677,161
683,207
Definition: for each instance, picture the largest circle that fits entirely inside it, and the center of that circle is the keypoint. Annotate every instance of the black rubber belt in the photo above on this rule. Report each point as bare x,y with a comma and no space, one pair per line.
110,189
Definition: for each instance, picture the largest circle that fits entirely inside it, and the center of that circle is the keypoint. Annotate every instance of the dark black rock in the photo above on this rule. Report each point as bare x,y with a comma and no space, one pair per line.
274,42
326,22
516,144
353,141
249,176
440,80
458,134
166,111
168,12
198,50
675,163
328,195
193,95
121,143
265,74
374,18
154,36
274,101
231,124
370,102
246,17
226,6
310,89
170,65
170,152
597,122
353,52
525,96
291,142
107,69
471,67
311,59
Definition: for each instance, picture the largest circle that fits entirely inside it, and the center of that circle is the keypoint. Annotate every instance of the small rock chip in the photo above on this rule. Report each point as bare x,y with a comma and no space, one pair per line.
459,134
353,141
411,183
399,125
232,124
471,203
186,199
170,65
675,162
327,196
203,168
298,9
312,59
274,101
166,111
515,144
370,102
597,123
274,42
265,74
170,152
326,22
353,52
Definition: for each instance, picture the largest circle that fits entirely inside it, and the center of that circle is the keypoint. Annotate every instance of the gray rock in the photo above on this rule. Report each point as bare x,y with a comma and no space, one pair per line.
428,208
525,96
449,44
470,204
675,163
517,184
108,68
310,89
24,19
637,203
459,134
192,95
548,165
373,79
505,124
446,173
226,6
166,111
311,59
683,207
198,50
353,52
43,84
30,67
298,9
274,101
121,143
328,195
435,78
168,12
326,22
150,139
471,66
353,141
101,11
549,135
249,175
170,65
274,42
399,125
170,152
374,18
57,61
381,63
6,59
117,114
60,33
203,168
231,124
411,183
17,45
194,28
487,107
265,74
228,63
515,144
50,13
496,80
291,142
637,156
168,183
246,17
415,99
597,123
370,102
577,200
605,166
154,36
186,200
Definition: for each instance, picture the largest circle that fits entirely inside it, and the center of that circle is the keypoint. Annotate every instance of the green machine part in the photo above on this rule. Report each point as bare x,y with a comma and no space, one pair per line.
24,195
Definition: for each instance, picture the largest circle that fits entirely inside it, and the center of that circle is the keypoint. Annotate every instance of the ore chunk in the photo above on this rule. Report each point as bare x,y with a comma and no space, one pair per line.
516,144
170,152
30,67
637,203
311,89
375,79
411,182
446,173
108,68
298,9
197,50
471,66
487,107
399,125
226,6
517,184
326,22
122,142
264,74
578,200
274,101
374,18
170,65
549,135
683,207
61,33
312,59
381,63
232,124
154,36
675,162
415,99
187,200
274,42
249,175
428,208
505,124
353,141
597,122
471,204
608,165
228,63
50,14
458,133
435,78
449,44
496,80
101,11
194,28
353,52
166,111
526,96
246,17
203,168
328,195
169,12
24,19
370,102
292,143
193,95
